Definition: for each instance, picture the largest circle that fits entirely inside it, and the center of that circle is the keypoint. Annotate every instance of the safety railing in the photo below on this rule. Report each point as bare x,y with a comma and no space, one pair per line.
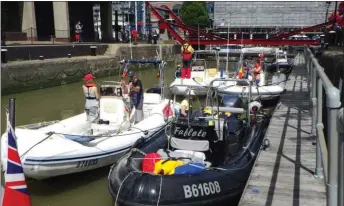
329,154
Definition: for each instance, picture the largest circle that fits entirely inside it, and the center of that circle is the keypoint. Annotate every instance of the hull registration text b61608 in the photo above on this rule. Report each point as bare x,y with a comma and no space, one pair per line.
202,189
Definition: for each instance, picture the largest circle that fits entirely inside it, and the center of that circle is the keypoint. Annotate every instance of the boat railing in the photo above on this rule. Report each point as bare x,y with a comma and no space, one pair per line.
162,64
222,91
330,157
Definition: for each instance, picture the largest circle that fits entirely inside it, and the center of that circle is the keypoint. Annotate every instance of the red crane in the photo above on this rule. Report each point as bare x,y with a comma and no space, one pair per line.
208,38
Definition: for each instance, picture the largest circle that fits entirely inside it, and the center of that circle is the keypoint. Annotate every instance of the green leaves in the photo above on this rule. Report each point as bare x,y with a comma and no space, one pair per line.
193,13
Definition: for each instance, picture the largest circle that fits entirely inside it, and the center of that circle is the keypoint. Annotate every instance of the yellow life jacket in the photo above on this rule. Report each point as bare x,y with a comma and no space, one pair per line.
167,167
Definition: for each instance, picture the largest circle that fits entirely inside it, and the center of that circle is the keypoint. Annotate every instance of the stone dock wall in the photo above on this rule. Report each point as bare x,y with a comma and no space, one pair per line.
28,75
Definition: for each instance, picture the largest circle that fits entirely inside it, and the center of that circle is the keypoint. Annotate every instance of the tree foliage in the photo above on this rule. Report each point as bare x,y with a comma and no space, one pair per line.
193,13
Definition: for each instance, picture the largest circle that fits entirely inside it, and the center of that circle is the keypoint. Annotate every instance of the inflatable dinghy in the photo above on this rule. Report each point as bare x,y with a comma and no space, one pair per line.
262,90
192,162
201,75
73,145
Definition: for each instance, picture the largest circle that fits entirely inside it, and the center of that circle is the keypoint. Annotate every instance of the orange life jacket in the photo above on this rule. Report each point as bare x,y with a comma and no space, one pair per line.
90,84
186,53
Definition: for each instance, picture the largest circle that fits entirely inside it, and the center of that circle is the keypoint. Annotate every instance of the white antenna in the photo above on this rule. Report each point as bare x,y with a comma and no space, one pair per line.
131,51
198,37
227,48
136,15
144,19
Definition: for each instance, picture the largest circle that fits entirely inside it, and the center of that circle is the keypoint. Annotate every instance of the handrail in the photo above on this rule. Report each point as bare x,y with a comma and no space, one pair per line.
340,126
327,156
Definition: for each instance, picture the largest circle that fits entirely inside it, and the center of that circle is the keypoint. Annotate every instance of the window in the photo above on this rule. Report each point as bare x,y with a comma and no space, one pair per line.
176,9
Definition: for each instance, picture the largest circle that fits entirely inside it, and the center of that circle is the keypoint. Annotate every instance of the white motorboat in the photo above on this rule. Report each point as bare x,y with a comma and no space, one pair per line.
66,146
262,90
201,74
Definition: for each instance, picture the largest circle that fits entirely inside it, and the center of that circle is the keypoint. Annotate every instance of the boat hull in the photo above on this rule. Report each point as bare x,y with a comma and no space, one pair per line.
256,92
130,187
199,88
39,170
44,156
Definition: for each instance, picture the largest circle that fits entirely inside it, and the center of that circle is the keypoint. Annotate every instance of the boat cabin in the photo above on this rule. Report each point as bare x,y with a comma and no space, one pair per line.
205,139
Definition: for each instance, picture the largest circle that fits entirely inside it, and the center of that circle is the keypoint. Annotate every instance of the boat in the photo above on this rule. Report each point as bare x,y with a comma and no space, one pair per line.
195,161
262,90
72,145
281,63
201,74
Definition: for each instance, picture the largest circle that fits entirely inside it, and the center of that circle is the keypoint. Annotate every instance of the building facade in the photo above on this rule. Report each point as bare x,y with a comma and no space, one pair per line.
282,14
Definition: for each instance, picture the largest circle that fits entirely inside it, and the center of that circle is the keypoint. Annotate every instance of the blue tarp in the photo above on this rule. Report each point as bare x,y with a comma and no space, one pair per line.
79,138
144,61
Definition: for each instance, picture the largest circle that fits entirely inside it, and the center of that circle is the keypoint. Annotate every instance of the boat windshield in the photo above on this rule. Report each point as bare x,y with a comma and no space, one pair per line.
111,89
281,55
204,59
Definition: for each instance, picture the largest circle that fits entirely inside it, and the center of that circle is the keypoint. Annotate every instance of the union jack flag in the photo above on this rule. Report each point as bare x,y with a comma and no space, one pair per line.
16,192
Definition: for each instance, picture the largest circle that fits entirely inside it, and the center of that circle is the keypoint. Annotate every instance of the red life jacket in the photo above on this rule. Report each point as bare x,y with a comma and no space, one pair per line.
186,53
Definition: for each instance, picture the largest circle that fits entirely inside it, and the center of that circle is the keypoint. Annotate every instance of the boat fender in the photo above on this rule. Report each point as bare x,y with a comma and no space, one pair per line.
191,168
149,161
254,106
167,167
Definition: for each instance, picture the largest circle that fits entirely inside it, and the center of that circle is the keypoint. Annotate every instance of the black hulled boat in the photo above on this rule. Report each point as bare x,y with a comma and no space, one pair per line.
217,151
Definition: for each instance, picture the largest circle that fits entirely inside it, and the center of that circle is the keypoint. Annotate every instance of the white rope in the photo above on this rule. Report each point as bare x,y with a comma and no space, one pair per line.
119,189
157,204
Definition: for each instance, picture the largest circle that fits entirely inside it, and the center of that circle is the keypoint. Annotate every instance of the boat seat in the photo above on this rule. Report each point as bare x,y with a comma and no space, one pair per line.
187,144
112,109
211,72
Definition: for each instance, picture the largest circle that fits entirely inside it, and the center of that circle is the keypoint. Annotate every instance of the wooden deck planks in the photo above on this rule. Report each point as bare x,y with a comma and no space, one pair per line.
283,175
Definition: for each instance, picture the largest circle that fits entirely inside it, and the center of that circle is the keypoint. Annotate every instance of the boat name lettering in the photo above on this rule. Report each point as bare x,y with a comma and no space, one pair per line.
190,132
86,163
202,189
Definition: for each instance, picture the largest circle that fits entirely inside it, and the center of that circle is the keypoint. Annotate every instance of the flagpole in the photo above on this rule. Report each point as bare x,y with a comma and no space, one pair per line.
12,121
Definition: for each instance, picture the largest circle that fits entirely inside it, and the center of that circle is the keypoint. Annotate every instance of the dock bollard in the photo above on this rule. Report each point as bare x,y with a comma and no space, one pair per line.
3,55
93,50
41,57
69,55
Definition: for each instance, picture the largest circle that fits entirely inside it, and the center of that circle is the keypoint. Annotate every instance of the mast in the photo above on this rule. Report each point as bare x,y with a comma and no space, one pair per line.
136,15
144,19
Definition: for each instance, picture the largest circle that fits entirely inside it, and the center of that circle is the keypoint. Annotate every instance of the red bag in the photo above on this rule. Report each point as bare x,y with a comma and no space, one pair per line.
149,161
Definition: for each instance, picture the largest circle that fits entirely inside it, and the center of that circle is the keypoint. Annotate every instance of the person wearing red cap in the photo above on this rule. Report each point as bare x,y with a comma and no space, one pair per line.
92,98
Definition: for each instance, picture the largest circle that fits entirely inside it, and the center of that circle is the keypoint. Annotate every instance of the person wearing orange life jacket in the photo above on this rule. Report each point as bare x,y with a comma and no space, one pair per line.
243,72
92,98
187,52
256,71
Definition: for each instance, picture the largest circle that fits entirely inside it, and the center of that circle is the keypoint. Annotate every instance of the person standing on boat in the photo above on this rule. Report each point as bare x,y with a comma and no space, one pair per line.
185,105
92,98
187,52
256,71
136,96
